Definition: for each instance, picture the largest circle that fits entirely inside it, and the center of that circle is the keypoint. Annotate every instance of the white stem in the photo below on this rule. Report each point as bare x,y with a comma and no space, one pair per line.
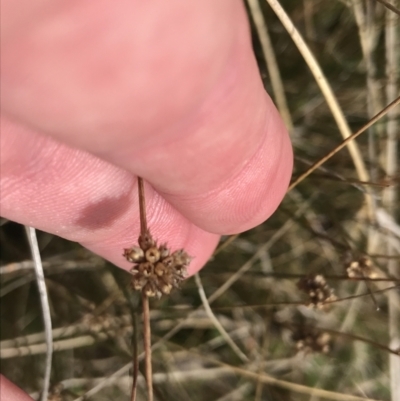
44,301
216,322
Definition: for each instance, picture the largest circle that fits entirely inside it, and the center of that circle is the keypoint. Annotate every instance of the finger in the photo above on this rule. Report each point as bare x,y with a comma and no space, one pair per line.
10,392
77,196
169,91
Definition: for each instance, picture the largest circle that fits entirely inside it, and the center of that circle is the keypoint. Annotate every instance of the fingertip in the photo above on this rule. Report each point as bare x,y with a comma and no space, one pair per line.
251,195
202,246
10,392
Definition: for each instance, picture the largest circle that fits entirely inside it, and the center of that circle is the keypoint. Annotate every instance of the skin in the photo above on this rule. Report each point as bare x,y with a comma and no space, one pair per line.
95,93
10,392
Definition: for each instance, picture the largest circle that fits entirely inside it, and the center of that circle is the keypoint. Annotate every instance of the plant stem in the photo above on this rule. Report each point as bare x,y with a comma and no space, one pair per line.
145,299
147,346
44,300
135,361
142,207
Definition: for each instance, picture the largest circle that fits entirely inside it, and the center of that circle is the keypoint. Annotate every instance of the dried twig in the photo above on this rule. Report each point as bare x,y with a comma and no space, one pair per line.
72,343
31,233
216,322
135,362
147,345
271,62
321,161
327,92
389,6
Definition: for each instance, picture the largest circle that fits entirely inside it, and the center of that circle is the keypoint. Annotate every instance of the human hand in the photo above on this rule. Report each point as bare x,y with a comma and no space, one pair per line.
168,91
95,93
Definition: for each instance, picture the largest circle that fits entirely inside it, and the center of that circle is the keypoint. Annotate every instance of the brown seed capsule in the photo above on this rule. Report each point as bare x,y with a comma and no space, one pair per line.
309,340
159,269
134,254
166,288
146,241
152,255
181,258
164,251
146,268
362,267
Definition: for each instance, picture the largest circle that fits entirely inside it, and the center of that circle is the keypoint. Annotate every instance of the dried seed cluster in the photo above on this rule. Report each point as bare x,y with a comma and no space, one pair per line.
360,268
308,341
99,323
55,392
156,270
107,324
317,289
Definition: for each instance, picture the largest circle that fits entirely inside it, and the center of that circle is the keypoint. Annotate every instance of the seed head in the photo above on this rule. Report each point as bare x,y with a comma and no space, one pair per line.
362,267
319,292
310,340
156,270
134,254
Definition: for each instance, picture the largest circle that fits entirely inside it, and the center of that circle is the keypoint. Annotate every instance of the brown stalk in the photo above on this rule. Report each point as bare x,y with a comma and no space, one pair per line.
145,299
135,361
142,207
389,6
156,271
371,294
147,345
